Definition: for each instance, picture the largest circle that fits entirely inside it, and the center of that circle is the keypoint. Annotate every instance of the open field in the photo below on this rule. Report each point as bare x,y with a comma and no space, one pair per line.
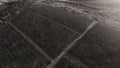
60,34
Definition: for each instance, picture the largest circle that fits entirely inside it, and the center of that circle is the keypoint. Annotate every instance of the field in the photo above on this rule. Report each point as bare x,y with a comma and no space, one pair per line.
60,34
